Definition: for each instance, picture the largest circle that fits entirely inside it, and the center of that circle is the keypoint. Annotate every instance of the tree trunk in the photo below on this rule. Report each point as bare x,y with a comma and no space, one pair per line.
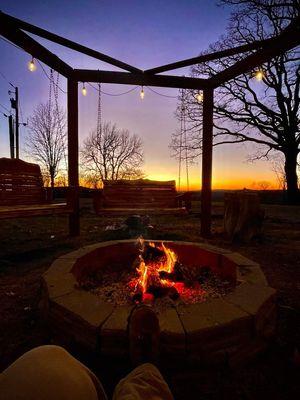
290,168
52,181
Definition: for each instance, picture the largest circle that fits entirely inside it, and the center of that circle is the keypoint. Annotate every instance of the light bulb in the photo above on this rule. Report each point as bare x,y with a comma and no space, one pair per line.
83,90
31,65
199,97
259,75
142,93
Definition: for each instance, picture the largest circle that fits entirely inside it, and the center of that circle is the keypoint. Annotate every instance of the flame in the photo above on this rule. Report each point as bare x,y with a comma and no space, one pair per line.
146,270
143,274
171,259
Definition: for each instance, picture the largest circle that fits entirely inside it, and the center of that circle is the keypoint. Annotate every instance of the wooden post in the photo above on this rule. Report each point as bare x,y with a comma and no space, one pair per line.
11,136
73,172
207,143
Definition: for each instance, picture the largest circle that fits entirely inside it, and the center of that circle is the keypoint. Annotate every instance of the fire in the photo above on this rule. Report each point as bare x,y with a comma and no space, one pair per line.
149,270
171,259
143,274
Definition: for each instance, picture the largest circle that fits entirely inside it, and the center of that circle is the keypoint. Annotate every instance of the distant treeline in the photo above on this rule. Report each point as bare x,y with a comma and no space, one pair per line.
266,196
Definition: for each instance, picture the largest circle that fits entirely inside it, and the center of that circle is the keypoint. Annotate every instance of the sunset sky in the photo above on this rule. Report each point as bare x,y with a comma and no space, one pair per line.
142,33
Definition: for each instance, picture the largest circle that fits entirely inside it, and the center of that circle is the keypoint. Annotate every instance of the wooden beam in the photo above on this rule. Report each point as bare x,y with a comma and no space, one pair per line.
32,47
66,42
209,57
287,40
207,149
73,168
142,79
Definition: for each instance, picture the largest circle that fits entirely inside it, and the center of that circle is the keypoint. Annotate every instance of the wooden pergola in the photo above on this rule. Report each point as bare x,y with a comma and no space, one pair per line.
14,30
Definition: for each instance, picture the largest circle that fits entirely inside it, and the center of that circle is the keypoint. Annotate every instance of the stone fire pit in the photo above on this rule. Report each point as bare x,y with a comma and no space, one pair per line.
231,328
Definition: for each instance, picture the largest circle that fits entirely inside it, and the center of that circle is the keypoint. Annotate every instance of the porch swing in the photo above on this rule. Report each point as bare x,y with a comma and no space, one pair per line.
143,196
22,192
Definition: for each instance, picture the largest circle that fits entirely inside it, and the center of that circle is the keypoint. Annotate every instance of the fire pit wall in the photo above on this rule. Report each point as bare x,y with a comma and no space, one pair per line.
228,329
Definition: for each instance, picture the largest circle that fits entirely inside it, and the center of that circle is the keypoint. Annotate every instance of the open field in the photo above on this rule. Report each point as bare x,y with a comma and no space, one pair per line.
28,246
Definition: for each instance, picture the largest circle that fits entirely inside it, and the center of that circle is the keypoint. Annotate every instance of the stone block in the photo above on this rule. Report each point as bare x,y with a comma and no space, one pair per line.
251,274
210,326
59,284
172,334
255,300
113,333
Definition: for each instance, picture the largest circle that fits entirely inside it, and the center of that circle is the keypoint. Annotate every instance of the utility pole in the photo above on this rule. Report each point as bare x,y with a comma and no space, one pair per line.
15,105
17,122
11,136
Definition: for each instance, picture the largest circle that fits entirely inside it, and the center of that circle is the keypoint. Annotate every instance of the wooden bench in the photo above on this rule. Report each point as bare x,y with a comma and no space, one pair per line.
22,193
140,196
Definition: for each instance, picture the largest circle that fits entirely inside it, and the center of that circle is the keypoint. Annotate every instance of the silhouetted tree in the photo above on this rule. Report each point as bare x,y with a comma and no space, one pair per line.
112,154
265,113
46,139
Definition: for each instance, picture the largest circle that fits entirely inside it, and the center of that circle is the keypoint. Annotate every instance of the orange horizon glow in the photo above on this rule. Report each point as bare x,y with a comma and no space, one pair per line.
234,184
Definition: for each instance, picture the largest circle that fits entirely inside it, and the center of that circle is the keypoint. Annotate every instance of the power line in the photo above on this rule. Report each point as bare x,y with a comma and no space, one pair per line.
5,108
12,44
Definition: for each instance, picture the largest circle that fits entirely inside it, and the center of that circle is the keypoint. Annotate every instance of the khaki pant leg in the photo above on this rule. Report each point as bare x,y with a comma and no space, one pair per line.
143,383
49,373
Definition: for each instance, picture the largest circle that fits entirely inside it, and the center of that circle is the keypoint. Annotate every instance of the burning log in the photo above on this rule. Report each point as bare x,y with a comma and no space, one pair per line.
187,274
177,275
137,297
153,254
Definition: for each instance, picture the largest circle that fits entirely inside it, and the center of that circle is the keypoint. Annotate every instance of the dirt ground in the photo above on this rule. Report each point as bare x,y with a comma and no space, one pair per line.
28,246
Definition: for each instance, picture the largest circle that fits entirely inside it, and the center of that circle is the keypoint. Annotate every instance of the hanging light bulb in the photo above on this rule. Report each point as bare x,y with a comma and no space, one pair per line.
83,90
259,75
199,97
142,93
31,65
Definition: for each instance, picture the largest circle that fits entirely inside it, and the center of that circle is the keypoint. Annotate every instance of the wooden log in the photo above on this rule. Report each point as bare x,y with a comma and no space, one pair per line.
243,216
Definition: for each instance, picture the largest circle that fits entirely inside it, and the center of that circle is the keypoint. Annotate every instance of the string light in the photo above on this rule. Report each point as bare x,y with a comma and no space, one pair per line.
83,90
142,93
199,97
259,75
31,65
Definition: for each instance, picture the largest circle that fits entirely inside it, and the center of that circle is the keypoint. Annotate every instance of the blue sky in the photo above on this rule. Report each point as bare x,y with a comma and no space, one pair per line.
142,33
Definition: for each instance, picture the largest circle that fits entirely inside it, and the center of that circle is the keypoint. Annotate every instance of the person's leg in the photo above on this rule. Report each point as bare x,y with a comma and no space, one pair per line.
143,383
49,373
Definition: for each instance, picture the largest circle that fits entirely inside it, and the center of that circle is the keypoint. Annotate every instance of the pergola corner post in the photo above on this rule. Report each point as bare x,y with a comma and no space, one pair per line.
73,166
207,150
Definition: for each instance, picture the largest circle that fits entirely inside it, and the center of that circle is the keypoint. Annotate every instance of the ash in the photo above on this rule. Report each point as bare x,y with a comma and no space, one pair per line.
117,287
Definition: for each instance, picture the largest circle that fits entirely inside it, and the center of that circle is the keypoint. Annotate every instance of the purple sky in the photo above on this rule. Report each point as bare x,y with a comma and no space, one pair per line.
143,33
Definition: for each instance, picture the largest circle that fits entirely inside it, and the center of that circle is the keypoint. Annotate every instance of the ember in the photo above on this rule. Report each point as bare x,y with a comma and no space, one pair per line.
156,275
161,274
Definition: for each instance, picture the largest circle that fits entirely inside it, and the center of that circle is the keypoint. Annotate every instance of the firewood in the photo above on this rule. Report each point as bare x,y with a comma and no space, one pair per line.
137,296
153,254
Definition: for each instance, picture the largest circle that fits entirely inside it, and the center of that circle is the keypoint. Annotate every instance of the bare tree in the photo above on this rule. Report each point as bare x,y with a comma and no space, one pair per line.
46,139
90,179
277,166
265,113
263,185
112,154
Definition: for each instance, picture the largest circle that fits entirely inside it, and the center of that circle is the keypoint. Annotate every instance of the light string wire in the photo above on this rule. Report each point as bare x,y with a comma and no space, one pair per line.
112,94
102,91
43,69
161,94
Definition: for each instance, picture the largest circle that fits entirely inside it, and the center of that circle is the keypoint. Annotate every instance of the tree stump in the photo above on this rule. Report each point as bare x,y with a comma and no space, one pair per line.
243,216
